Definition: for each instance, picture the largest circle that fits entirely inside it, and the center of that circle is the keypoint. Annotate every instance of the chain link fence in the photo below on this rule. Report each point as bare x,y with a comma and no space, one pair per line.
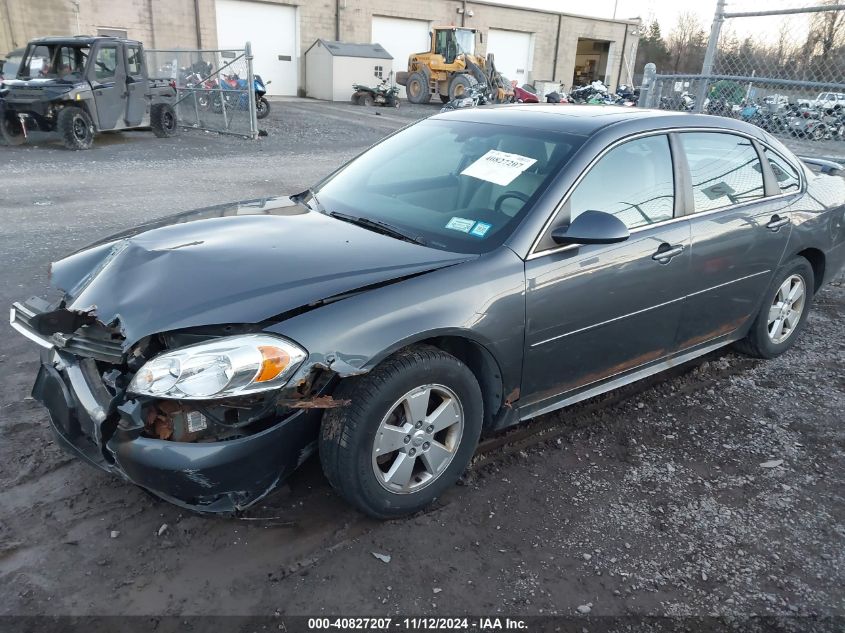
782,69
215,88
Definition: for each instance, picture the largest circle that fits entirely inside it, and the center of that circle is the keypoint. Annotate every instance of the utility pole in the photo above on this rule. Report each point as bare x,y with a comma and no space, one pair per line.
75,4
710,54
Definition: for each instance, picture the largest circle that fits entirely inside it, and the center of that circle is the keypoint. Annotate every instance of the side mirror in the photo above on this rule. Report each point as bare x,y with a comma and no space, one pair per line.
592,227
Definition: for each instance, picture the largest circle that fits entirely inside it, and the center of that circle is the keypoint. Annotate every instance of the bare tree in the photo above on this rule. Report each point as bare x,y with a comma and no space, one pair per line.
686,43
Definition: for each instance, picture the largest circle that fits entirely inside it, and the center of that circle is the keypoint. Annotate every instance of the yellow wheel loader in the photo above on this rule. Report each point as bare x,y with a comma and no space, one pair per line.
450,68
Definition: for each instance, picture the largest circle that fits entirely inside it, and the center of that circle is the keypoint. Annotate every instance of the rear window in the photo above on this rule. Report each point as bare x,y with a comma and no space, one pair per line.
458,185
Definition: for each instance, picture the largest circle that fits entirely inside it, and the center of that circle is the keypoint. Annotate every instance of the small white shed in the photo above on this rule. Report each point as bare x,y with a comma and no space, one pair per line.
332,67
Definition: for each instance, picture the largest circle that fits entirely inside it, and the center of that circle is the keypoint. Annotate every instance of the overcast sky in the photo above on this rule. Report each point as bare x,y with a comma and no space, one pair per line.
666,11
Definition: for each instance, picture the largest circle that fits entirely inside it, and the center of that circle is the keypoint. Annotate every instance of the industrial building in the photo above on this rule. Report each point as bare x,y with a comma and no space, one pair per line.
528,44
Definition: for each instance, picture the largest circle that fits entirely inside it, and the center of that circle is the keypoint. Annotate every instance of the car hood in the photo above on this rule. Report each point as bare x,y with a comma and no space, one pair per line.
239,263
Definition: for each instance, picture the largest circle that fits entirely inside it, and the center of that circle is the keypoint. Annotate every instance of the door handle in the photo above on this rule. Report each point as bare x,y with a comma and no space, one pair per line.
666,252
776,222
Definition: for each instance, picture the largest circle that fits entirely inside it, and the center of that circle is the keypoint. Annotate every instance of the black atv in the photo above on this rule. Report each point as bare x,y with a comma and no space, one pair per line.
384,94
79,86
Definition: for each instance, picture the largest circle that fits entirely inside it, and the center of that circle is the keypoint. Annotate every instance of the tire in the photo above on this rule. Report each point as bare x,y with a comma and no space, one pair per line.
11,132
818,133
366,100
460,85
75,128
417,88
349,434
759,341
356,98
262,108
163,120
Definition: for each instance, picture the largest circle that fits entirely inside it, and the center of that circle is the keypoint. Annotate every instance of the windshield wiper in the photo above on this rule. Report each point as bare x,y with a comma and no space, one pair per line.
379,227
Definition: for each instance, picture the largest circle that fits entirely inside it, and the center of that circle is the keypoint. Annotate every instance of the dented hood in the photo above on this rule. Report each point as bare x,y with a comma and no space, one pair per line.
240,263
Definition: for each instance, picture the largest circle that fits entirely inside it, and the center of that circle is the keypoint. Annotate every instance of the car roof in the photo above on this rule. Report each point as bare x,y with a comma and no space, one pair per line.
587,120
83,40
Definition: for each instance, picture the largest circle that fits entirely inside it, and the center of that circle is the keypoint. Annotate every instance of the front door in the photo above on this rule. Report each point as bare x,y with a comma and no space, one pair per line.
136,87
600,310
739,234
107,75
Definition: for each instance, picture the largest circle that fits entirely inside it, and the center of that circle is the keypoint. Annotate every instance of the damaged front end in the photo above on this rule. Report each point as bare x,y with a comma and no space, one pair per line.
206,450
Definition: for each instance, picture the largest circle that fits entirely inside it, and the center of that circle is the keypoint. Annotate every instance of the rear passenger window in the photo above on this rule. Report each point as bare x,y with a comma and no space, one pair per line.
785,174
725,169
633,181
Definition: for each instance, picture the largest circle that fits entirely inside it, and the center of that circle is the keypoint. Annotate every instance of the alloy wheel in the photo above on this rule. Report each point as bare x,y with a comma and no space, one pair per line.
787,308
80,129
417,439
169,121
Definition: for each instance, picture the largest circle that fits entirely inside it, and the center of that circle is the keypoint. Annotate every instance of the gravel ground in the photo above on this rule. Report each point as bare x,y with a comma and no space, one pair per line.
716,490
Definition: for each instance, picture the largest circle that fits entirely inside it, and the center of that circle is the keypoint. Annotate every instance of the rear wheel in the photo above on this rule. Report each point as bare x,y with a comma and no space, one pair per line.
11,130
366,100
783,313
409,432
76,129
262,107
417,88
163,120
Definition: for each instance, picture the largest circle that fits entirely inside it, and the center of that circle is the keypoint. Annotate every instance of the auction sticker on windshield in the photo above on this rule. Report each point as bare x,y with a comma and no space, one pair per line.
460,224
500,168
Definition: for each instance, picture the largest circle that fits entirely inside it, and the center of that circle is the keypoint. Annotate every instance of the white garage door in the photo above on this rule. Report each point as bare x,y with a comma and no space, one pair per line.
271,29
401,38
513,53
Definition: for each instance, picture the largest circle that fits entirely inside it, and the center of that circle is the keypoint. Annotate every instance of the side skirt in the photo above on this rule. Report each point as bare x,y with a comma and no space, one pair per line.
564,400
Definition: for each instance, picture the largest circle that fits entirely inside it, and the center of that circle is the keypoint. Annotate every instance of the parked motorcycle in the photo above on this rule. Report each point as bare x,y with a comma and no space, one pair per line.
834,119
384,94
475,96
233,93
805,122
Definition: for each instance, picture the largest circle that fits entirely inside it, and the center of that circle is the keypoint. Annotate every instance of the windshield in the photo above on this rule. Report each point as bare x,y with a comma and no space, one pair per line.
54,61
466,41
454,185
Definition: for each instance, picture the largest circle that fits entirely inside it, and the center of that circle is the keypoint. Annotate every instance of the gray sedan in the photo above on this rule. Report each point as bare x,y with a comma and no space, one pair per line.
469,272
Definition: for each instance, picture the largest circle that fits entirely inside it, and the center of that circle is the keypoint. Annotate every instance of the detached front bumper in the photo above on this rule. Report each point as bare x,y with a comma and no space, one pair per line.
216,477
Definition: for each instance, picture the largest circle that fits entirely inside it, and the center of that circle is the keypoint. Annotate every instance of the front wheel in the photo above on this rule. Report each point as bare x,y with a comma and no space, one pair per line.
783,313
409,432
262,108
76,128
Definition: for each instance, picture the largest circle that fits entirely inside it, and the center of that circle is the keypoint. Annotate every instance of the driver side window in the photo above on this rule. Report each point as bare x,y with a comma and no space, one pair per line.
633,181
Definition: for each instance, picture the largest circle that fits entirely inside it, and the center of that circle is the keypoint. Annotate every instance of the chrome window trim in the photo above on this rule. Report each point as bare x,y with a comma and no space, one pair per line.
534,254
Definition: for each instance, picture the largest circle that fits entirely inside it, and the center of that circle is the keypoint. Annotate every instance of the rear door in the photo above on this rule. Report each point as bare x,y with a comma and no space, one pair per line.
596,311
107,75
136,86
739,233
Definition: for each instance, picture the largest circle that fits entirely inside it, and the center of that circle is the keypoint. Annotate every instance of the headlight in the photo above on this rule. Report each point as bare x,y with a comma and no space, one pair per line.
224,367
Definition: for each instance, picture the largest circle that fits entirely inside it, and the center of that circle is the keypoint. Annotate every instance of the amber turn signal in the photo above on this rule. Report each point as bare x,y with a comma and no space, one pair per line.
273,362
